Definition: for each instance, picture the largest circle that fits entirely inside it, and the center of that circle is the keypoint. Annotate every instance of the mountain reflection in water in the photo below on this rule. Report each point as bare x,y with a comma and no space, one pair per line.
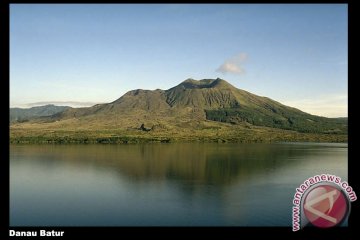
215,181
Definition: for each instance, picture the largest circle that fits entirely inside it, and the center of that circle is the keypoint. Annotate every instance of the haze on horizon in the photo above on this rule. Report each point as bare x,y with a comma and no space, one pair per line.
80,55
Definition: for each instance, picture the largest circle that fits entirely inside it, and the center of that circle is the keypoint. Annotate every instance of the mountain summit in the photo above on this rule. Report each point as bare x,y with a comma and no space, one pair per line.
195,105
205,83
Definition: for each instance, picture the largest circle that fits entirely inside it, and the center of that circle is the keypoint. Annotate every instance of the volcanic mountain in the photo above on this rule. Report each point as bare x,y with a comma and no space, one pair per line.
207,99
210,106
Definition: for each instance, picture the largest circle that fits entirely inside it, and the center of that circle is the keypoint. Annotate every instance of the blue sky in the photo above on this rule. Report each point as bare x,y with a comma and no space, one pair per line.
85,54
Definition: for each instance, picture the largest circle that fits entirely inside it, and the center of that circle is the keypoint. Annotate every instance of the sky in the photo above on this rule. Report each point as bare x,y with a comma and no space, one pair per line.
83,54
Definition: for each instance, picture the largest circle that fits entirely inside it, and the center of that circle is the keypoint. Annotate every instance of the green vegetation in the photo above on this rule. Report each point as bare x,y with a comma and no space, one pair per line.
207,131
276,118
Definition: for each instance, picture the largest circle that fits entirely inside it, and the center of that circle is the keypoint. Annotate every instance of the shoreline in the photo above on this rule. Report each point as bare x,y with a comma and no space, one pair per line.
139,140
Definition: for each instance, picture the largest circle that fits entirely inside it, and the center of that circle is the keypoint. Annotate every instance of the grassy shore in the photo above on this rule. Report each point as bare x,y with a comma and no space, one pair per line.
204,132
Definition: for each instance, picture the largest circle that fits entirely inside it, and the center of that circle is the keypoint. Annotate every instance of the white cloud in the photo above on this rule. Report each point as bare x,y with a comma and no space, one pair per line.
326,105
234,64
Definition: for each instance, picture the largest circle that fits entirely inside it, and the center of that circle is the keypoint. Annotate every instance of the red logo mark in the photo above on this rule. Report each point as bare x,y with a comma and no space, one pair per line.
325,206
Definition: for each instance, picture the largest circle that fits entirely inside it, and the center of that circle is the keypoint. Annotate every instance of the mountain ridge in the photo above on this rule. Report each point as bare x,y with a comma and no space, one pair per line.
204,106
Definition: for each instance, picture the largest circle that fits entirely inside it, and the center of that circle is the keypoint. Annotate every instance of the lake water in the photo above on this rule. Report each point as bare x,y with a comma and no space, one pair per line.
163,184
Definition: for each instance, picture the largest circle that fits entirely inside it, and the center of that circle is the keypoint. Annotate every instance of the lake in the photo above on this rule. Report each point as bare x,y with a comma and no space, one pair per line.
185,184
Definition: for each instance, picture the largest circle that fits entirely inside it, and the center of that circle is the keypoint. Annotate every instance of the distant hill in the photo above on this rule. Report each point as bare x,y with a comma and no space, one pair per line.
201,110
25,114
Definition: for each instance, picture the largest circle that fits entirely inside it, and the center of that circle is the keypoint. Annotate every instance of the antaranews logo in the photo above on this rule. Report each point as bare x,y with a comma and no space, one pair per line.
322,201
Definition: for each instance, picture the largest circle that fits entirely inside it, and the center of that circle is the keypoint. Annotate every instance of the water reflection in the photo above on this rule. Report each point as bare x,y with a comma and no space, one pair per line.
214,164
162,184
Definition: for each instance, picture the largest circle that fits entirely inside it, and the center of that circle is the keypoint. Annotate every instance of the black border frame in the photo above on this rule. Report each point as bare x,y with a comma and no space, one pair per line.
181,232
